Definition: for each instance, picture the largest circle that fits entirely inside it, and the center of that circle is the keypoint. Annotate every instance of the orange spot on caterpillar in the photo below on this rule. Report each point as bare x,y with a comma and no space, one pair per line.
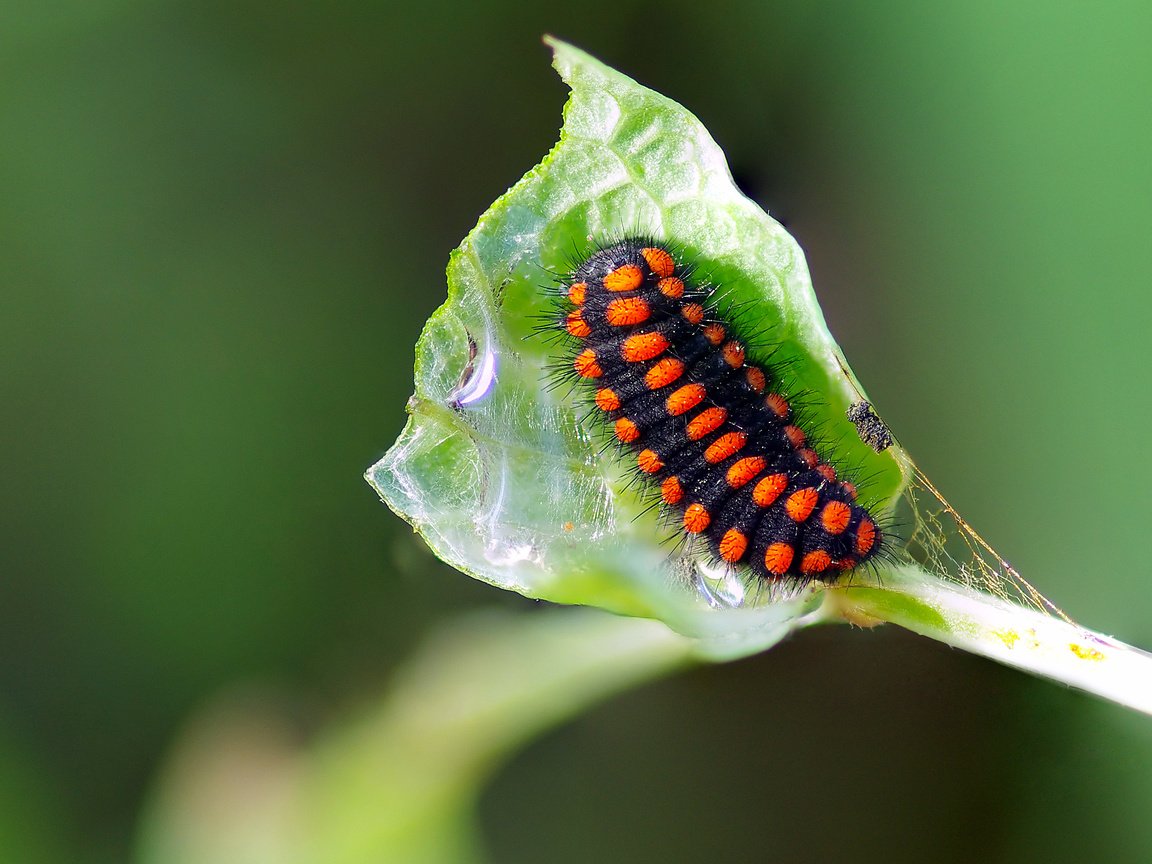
659,261
715,333
778,405
576,325
844,564
663,372
778,558
685,399
827,472
670,490
649,462
724,446
796,435
809,456
835,517
801,503
755,378
733,545
696,519
577,292
626,430
850,488
733,353
769,489
816,561
706,422
607,400
626,311
671,287
627,277
585,364
865,536
744,471
643,346
693,313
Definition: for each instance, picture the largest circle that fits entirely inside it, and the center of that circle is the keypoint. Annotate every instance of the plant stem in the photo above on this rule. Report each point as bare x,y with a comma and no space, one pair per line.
1015,635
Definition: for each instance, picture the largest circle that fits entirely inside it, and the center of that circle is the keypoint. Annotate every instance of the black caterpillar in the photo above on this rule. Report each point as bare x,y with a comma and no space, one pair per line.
705,425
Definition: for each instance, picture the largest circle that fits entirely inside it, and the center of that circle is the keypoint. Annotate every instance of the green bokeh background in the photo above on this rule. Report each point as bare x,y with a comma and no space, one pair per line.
221,228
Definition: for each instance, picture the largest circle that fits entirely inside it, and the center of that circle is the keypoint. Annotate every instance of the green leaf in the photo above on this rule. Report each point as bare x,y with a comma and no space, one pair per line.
503,480
512,488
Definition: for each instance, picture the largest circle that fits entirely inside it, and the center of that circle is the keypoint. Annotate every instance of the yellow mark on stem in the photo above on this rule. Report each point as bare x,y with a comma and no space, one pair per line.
1085,653
1008,637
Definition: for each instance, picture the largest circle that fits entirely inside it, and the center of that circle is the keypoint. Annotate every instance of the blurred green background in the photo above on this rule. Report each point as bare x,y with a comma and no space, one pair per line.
221,228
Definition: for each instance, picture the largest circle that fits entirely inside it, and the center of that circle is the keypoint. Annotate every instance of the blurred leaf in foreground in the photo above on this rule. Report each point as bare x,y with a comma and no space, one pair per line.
398,785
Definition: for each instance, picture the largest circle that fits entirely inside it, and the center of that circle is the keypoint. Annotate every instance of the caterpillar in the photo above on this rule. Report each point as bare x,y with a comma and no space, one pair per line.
709,430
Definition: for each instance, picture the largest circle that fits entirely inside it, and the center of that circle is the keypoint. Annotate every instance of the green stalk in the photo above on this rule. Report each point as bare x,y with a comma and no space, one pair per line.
1014,635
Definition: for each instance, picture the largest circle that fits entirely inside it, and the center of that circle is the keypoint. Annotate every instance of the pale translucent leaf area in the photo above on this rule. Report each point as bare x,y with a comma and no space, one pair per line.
502,475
